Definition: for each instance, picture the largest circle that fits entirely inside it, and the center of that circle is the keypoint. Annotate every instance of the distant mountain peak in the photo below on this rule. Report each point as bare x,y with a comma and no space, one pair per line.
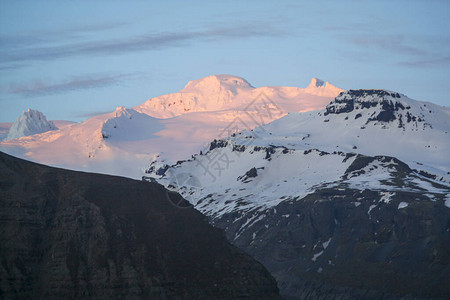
317,82
29,123
321,88
123,111
216,81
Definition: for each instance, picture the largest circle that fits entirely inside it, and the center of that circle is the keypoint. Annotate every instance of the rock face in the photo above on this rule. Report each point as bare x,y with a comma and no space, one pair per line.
67,235
384,107
347,242
29,123
329,246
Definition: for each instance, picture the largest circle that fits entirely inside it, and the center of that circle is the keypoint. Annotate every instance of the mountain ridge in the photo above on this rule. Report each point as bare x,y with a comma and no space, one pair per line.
326,199
68,234
168,127
222,91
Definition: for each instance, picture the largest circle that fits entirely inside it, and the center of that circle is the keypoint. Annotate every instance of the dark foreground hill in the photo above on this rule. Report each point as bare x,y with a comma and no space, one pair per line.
67,234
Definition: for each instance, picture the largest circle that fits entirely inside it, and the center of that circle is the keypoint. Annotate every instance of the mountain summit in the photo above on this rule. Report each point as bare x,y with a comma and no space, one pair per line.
29,123
216,82
219,92
320,88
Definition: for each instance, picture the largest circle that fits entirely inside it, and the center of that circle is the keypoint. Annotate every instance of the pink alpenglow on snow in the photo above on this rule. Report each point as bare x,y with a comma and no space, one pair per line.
169,127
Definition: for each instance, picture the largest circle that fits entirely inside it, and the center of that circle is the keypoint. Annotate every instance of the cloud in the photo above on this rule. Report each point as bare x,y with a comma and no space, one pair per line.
144,42
41,88
428,63
418,51
395,44
36,38
12,66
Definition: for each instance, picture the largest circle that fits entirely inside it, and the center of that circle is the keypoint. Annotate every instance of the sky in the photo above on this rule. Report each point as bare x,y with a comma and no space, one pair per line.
75,59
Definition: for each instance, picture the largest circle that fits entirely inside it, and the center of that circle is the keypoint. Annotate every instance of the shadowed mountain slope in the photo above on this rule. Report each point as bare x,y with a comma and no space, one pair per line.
67,234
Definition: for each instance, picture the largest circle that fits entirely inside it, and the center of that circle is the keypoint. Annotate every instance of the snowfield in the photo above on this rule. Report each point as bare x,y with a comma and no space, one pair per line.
170,127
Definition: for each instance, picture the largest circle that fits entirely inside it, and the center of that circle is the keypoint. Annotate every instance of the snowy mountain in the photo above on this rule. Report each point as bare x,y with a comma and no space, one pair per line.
360,123
168,127
29,123
321,88
357,189
230,93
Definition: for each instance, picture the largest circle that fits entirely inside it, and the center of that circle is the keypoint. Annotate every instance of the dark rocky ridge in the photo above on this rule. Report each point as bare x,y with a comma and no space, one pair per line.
355,99
67,235
386,107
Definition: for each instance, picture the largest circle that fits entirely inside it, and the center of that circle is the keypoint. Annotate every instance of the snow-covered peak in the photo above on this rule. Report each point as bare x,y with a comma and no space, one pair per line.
321,88
232,93
130,125
122,111
216,82
29,123
210,93
316,82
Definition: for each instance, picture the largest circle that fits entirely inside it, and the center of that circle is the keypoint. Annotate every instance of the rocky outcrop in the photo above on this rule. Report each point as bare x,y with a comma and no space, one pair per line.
67,235
359,99
252,173
341,243
380,107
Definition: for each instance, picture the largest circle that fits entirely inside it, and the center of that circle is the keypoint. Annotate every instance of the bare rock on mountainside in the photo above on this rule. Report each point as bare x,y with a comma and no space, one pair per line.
68,234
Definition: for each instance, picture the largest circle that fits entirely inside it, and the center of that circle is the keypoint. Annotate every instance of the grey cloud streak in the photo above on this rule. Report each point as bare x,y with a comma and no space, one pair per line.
36,38
436,62
40,88
149,41
409,51
394,44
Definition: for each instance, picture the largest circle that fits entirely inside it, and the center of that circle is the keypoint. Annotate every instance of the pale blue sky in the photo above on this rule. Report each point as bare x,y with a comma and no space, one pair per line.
72,59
